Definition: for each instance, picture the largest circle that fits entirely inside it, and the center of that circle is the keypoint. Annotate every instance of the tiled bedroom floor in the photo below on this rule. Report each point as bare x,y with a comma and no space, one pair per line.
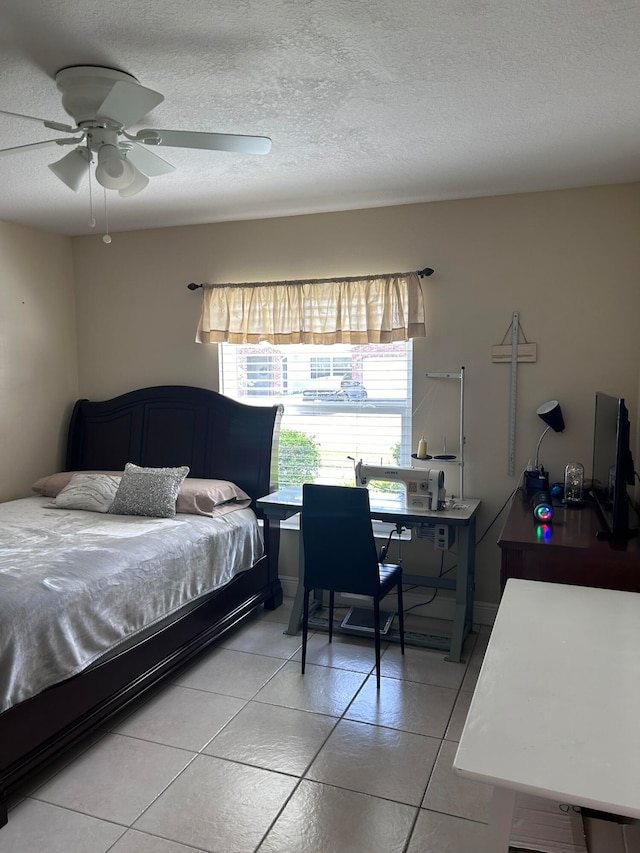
243,754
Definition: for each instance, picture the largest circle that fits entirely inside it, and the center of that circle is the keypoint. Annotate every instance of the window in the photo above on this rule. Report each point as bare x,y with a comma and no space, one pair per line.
332,365
341,403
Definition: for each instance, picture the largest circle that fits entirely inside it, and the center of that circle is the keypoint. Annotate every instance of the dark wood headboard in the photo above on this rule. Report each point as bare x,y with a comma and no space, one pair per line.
171,425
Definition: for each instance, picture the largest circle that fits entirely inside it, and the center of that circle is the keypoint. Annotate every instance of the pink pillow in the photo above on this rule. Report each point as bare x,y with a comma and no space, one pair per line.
51,486
210,497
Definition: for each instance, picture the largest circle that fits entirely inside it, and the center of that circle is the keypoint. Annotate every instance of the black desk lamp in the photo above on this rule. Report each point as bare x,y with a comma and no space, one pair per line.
537,480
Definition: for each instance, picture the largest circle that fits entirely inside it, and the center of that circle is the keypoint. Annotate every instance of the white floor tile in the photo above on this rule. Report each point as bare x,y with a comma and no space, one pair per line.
420,708
323,819
459,715
116,779
36,827
378,761
218,806
484,635
452,794
141,842
263,638
441,833
321,689
181,717
471,676
273,737
230,672
281,614
343,652
422,665
52,769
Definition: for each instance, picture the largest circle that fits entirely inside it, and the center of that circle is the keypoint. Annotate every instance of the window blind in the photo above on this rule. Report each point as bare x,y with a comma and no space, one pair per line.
342,403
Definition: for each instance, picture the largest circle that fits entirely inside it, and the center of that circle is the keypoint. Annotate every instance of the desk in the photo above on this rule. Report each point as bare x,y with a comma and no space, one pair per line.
287,502
570,553
556,708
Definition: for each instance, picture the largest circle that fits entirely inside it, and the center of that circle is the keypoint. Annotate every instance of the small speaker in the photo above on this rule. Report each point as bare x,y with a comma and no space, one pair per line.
542,507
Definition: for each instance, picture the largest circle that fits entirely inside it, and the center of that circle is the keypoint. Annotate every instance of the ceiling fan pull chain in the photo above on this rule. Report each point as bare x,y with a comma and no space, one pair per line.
107,236
92,219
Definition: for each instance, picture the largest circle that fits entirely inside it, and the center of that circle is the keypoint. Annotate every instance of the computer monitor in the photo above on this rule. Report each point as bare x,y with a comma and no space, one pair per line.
613,468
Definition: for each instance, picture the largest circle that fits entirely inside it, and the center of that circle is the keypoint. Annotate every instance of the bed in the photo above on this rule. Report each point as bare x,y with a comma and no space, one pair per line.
163,426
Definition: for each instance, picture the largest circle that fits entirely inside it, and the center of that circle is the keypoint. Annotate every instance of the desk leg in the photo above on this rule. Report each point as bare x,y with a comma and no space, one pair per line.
296,612
465,581
500,821
298,601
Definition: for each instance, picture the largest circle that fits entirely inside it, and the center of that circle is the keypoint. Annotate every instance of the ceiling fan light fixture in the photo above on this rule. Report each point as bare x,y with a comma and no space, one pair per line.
139,182
72,168
114,172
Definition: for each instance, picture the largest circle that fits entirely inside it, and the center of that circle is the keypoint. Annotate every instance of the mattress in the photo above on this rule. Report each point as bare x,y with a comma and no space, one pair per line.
74,585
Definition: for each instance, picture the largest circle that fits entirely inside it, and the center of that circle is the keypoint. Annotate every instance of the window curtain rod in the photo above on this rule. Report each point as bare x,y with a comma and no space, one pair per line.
422,273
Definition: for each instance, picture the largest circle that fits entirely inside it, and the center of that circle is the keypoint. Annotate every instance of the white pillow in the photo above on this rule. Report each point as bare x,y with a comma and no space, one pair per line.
91,492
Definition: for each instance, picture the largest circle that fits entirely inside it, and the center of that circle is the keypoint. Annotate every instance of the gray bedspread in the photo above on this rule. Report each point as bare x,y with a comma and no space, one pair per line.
74,584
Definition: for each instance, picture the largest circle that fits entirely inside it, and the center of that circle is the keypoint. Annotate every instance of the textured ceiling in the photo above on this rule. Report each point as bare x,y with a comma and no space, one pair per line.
368,102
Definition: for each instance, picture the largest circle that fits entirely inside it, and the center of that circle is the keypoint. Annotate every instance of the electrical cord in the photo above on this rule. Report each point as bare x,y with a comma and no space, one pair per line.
384,550
444,571
501,510
435,592
497,515
382,556
423,603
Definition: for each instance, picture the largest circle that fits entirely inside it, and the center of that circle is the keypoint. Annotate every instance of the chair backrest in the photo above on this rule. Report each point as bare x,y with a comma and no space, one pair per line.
339,546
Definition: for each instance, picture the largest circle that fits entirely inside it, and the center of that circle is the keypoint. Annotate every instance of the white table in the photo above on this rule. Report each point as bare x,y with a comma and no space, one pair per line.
556,711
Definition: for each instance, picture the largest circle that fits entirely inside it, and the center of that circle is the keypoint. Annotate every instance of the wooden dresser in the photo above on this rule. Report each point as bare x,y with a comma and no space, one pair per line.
567,552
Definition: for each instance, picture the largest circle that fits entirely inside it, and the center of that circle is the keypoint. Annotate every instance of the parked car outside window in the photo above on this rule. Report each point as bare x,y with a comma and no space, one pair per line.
328,389
352,389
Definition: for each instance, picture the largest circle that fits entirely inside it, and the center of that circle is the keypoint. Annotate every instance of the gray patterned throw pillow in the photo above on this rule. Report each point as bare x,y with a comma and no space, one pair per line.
148,491
90,492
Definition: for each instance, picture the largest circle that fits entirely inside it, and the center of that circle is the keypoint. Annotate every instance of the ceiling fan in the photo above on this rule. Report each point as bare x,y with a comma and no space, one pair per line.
103,103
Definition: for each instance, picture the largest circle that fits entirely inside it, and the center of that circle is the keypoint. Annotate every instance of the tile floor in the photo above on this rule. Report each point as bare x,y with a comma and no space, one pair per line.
242,754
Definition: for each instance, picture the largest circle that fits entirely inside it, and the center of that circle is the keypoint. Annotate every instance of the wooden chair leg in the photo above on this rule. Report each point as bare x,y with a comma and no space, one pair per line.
331,600
305,626
376,624
401,616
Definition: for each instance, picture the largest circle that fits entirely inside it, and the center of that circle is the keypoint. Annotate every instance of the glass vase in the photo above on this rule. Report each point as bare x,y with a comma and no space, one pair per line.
574,483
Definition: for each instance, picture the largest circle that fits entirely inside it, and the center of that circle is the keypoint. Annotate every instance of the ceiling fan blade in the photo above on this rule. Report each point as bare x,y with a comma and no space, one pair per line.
148,162
212,141
128,102
45,144
52,125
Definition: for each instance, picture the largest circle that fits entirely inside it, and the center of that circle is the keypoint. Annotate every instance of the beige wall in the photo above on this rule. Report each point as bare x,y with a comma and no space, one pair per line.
38,364
568,261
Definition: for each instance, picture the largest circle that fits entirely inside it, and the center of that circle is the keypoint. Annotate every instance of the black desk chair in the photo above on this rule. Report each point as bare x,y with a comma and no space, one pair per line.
340,555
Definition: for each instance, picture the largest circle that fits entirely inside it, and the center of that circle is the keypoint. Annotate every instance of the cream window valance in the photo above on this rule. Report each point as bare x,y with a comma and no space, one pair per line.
372,309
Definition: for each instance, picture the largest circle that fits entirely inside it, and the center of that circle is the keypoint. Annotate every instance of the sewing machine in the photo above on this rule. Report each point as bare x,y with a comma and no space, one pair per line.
424,487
